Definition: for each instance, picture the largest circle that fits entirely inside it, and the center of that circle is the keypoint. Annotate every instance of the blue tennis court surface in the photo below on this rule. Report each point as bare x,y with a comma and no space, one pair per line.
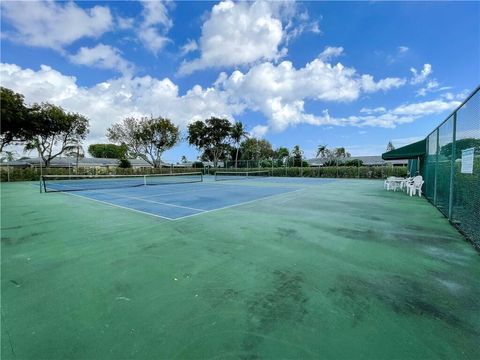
177,201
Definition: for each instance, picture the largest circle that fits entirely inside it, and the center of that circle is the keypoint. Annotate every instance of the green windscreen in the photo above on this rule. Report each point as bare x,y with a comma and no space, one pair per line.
452,168
466,185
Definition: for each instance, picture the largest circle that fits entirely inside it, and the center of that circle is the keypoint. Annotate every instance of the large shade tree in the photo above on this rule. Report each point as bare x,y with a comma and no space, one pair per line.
56,131
15,118
256,149
211,136
147,138
108,151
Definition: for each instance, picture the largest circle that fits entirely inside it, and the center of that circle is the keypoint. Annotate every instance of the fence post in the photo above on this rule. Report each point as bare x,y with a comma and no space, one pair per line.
436,171
452,166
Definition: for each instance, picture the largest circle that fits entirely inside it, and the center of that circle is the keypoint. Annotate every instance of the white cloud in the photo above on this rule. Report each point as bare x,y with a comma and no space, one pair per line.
279,91
405,141
420,77
237,33
403,49
296,21
369,85
156,13
156,23
190,46
125,23
376,110
103,57
330,53
110,101
152,39
259,131
52,24
402,114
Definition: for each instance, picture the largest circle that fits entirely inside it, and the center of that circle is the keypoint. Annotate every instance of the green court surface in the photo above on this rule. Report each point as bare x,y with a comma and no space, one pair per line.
335,270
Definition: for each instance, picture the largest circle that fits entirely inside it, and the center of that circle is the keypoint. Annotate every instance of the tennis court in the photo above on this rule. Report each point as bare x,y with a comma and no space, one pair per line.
251,268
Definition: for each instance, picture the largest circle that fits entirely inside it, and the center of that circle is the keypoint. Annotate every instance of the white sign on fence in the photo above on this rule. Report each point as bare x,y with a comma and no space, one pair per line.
467,161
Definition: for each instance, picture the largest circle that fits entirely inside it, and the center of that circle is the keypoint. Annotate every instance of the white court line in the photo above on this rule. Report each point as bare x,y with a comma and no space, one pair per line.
155,202
187,216
119,206
239,204
185,191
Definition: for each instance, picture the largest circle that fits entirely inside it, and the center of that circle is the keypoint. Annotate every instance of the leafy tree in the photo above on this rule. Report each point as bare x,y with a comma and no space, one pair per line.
211,137
14,118
56,131
147,138
124,164
354,162
183,160
238,133
281,154
109,151
462,144
256,149
126,133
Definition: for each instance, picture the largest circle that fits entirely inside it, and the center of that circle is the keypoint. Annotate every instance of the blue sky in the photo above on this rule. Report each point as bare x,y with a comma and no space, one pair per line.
352,74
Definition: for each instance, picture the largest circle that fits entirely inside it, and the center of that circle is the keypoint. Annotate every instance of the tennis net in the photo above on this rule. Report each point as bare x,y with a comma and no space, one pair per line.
236,175
52,183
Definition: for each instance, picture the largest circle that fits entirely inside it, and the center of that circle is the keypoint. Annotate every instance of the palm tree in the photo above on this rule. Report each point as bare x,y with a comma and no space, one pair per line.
75,149
341,153
237,134
9,156
183,160
321,150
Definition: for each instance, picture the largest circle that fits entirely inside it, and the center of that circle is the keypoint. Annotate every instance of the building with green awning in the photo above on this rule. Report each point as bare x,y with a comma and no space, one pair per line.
414,153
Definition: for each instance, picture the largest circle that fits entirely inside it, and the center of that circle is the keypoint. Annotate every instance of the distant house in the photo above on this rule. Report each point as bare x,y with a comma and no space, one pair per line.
366,161
71,162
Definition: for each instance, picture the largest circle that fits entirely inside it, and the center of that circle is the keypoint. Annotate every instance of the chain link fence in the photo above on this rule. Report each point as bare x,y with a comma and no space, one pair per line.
452,168
294,168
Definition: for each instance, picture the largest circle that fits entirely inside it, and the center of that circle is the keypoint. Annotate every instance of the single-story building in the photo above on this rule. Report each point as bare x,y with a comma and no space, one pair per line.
366,161
71,162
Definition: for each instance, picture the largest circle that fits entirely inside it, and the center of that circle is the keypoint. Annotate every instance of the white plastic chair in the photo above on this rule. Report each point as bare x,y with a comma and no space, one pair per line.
415,186
405,182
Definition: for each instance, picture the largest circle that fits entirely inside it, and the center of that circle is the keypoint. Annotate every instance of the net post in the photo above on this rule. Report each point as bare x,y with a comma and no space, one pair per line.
145,180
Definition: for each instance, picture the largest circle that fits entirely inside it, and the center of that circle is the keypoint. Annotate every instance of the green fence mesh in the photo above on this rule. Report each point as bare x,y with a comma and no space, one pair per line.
444,165
430,165
465,210
450,184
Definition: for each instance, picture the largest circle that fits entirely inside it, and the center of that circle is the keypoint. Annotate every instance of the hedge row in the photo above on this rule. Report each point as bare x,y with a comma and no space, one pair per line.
33,174
363,172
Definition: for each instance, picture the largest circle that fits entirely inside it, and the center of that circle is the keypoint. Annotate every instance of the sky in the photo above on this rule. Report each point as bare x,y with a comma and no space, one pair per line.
351,74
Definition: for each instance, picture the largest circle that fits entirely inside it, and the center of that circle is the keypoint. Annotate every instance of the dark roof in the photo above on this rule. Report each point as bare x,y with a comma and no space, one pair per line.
82,162
411,151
